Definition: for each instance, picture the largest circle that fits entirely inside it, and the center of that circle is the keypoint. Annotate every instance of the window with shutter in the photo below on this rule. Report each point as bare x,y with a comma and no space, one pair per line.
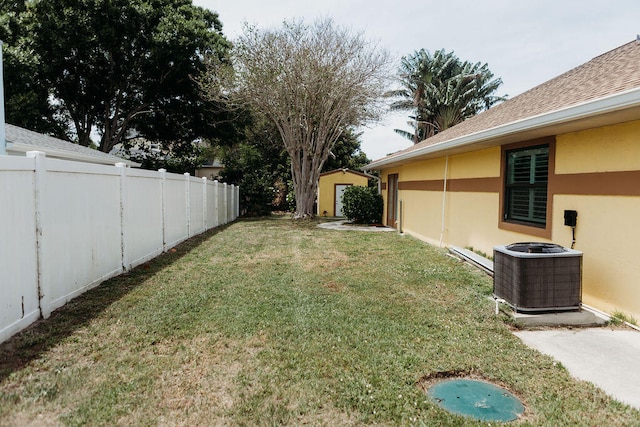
526,185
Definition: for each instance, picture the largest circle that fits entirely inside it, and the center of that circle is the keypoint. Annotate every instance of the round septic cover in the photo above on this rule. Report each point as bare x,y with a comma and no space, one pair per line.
476,399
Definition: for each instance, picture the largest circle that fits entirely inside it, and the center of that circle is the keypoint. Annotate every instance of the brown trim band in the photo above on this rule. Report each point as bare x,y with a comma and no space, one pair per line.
625,183
475,185
470,185
526,229
427,185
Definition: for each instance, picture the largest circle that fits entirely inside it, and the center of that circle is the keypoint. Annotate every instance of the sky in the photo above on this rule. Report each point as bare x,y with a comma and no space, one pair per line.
524,42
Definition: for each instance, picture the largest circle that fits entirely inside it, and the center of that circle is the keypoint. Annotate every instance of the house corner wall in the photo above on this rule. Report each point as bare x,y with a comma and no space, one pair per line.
595,172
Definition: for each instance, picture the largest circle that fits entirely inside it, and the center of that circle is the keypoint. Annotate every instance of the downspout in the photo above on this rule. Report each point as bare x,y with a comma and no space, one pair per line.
379,182
3,140
444,199
371,176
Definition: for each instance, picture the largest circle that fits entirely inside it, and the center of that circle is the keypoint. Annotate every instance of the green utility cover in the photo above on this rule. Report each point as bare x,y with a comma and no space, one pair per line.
476,399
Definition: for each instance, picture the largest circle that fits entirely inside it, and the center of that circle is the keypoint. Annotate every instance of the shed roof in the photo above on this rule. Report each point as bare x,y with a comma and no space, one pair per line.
603,91
23,140
366,175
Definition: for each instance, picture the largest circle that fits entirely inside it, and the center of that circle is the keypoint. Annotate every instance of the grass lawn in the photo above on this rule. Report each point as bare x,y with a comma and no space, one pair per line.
269,322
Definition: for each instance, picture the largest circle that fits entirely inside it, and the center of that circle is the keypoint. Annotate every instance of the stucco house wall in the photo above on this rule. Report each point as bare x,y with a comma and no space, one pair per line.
452,194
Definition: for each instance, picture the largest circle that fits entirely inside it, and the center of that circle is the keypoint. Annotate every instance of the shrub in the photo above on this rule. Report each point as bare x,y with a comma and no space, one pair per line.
362,205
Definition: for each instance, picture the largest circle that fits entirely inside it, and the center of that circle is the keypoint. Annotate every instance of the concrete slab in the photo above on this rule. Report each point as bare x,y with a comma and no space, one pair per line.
581,318
345,225
606,357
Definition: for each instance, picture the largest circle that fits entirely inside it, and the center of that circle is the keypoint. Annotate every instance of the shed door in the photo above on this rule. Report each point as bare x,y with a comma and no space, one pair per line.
338,205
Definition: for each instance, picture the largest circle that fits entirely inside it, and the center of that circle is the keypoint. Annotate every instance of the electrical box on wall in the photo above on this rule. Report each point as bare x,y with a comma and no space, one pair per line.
570,218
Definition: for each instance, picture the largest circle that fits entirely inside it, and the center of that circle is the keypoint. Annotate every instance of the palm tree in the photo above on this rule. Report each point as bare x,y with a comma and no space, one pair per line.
442,91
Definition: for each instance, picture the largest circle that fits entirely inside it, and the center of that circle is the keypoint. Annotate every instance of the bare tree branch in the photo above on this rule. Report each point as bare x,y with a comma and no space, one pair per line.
313,82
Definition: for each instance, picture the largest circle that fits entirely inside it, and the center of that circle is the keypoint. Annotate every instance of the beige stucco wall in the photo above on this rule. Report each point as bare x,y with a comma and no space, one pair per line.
477,164
326,188
421,215
605,149
607,230
429,169
607,235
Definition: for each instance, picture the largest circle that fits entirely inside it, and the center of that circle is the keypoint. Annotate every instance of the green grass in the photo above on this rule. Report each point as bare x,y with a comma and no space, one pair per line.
273,322
619,318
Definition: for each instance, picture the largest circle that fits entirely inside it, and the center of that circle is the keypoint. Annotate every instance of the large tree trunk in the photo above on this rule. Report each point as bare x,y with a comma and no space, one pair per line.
305,183
305,198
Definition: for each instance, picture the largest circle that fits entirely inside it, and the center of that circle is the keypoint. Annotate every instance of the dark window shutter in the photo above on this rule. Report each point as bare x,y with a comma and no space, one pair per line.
526,185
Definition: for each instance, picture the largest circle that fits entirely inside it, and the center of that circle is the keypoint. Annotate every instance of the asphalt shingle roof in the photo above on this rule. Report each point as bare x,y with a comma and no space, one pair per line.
46,143
610,73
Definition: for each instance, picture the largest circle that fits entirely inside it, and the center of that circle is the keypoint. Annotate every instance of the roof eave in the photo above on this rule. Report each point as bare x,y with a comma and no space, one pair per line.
16,146
609,104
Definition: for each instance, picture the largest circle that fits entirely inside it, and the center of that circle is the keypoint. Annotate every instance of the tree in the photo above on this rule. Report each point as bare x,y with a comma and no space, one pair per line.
312,82
442,91
346,153
125,68
259,165
26,101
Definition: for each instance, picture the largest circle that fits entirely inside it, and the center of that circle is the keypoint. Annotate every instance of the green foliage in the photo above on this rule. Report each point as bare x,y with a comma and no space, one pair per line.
120,67
262,168
619,318
245,165
442,91
362,205
26,102
179,158
346,153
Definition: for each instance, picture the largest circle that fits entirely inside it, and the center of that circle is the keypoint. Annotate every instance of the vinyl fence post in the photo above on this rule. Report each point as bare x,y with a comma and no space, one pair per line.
163,181
231,203
39,181
225,196
188,194
204,203
237,201
122,169
216,203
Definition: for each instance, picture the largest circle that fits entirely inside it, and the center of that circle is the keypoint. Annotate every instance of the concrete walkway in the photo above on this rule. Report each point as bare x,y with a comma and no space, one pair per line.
345,225
609,358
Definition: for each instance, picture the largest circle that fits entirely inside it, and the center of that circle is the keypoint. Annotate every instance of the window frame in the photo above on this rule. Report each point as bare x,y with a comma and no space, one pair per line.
527,188
519,226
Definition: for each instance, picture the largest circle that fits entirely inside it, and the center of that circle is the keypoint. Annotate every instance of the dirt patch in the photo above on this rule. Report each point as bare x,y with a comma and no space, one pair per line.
328,260
332,286
203,388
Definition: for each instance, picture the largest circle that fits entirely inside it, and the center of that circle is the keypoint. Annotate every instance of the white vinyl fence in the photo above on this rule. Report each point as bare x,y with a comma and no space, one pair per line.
67,226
